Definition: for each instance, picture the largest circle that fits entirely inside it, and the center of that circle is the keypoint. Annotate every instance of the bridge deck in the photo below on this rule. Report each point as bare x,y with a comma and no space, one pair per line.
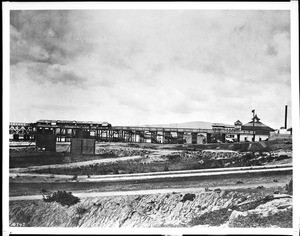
130,128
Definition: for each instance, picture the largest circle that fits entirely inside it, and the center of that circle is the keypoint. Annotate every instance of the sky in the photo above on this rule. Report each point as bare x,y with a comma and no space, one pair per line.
135,67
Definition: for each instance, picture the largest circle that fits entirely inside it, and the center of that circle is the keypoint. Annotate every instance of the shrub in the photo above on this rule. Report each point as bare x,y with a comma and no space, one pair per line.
188,197
289,187
74,177
174,158
62,197
81,210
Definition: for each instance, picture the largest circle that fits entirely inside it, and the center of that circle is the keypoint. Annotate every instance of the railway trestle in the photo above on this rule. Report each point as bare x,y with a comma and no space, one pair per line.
64,132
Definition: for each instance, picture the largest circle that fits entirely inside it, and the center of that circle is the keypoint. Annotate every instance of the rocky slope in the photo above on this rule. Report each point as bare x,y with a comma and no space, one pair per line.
197,209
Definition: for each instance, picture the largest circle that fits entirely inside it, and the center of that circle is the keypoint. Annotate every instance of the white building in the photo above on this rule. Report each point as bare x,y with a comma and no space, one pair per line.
262,131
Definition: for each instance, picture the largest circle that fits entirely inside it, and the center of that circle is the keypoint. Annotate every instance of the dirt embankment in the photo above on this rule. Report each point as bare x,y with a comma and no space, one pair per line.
25,157
160,161
240,147
153,157
224,209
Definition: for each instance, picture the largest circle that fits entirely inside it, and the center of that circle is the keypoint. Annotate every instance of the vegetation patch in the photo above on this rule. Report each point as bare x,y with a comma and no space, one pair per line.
35,159
62,197
253,204
174,158
22,219
188,197
282,219
213,218
289,187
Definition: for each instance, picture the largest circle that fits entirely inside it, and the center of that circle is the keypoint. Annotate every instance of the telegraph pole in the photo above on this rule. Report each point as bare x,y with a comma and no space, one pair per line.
253,111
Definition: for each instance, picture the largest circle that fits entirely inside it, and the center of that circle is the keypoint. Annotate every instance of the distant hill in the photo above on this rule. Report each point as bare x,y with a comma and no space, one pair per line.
191,124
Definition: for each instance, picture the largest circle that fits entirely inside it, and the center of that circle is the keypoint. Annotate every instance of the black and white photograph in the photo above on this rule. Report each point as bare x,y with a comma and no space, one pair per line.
172,116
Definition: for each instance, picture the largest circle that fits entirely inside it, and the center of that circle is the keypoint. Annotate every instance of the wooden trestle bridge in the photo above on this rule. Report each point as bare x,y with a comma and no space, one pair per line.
103,131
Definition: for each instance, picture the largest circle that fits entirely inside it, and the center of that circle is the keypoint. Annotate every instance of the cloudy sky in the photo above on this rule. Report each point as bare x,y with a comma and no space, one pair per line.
134,67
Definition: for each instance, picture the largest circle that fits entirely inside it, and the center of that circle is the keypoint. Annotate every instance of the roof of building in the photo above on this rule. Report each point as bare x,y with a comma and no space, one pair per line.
74,122
218,125
221,125
258,126
238,122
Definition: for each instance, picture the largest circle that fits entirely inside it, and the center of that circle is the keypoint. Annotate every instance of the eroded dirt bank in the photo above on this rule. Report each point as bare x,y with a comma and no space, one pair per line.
195,209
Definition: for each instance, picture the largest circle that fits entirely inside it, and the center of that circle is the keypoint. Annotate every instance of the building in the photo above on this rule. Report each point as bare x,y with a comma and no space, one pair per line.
238,125
221,127
218,128
262,131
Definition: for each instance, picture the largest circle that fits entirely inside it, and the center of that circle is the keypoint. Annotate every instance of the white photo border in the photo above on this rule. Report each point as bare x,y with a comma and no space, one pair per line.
292,6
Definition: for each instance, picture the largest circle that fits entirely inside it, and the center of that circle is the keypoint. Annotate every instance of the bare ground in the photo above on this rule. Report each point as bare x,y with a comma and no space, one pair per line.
158,210
193,209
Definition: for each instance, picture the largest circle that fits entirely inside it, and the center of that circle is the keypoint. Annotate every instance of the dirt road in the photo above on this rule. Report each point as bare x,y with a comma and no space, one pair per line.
147,192
136,183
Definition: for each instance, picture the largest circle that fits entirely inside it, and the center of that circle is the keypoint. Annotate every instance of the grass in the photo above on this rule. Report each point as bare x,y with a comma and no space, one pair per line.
282,219
253,204
35,159
138,166
127,167
29,157
212,218
50,158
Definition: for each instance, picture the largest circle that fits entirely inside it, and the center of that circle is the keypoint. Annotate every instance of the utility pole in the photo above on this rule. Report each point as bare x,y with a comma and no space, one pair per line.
253,111
285,117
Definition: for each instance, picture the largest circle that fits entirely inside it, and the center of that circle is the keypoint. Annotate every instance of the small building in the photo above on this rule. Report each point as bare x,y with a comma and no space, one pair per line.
222,127
283,130
282,134
238,125
218,127
262,131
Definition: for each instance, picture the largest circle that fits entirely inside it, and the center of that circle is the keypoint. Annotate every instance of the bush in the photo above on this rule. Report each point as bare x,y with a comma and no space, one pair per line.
74,177
174,158
81,210
62,197
188,197
289,187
